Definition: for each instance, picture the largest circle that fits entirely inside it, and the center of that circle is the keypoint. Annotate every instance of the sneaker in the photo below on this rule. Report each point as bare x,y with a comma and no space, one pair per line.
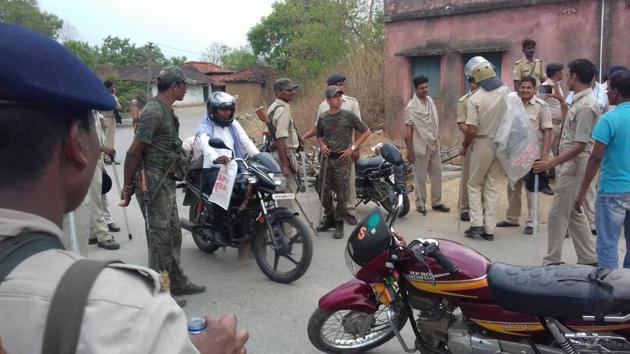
326,224
528,230
188,289
338,230
464,216
351,220
474,231
113,227
441,208
109,245
506,224
422,210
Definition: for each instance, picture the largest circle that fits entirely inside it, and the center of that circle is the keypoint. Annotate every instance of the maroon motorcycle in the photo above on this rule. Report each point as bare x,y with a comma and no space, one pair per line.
459,302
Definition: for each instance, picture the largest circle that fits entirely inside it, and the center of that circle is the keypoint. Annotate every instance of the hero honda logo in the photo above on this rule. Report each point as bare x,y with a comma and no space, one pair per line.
413,275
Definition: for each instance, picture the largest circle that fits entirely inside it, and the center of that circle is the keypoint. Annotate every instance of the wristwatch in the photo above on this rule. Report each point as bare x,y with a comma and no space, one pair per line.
353,148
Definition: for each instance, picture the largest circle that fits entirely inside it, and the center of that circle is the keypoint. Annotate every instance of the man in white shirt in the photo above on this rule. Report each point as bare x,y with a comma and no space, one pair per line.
219,123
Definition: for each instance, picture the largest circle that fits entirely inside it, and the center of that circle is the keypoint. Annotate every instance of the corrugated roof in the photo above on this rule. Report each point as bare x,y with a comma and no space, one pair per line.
208,68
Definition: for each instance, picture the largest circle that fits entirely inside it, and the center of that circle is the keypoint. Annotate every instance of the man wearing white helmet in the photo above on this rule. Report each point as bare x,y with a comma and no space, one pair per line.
220,123
484,112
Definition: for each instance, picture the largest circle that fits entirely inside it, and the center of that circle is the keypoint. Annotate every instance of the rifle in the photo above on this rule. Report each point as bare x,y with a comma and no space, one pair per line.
262,115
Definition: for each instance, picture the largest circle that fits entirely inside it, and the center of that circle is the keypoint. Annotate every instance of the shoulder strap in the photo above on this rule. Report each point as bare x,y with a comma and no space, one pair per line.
273,111
65,316
16,249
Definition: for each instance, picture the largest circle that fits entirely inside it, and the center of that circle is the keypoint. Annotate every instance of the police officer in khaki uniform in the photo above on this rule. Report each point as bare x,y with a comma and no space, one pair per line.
484,112
528,66
575,147
539,116
349,104
45,115
287,140
464,205
557,104
109,120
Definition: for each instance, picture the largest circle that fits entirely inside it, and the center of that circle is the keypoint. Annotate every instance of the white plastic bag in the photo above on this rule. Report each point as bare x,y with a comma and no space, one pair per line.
222,190
516,140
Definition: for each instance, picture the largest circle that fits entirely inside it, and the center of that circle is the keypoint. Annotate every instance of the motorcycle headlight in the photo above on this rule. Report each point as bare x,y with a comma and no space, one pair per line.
279,180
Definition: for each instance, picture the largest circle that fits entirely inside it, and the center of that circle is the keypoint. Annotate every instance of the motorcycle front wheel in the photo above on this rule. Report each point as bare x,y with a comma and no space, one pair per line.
195,213
347,331
289,258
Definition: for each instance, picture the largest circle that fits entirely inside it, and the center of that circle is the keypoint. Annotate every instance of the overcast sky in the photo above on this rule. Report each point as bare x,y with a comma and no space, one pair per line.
187,25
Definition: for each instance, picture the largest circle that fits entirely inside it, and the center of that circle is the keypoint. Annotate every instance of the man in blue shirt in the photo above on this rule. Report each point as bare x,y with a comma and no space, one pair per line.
612,149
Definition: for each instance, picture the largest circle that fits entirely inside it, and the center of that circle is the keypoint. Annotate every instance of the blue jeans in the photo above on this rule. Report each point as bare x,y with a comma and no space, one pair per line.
612,210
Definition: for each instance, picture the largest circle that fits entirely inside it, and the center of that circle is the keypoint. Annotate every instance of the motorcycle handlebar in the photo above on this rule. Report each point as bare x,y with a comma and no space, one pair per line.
434,252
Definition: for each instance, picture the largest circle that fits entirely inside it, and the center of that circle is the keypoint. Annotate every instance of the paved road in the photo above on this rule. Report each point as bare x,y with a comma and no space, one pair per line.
275,314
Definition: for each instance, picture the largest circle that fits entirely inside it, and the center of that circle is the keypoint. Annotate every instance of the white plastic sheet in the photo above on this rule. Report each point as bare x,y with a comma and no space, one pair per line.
222,190
516,140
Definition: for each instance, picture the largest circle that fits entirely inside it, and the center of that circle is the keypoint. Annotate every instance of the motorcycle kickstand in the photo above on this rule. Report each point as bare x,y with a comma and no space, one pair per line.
401,340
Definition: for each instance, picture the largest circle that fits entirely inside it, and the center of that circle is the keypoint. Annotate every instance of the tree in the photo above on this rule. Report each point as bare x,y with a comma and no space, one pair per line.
89,55
304,37
215,52
26,13
239,58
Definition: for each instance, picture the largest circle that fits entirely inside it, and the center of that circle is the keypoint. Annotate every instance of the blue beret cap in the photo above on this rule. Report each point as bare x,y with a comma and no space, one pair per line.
38,70
335,79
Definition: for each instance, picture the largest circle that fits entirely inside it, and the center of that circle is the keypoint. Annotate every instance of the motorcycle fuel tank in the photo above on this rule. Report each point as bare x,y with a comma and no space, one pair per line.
470,282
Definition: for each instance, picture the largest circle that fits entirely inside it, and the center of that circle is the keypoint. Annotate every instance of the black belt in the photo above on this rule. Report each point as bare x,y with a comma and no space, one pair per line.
335,155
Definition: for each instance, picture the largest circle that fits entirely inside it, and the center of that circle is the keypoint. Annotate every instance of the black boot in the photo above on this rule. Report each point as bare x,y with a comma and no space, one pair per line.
338,230
326,224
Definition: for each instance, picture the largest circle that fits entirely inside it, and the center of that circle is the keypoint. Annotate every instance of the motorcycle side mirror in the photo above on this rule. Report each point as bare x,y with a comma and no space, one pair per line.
392,154
217,143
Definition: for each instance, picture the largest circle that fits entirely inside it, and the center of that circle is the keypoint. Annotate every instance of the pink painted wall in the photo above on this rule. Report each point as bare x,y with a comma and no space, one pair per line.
561,38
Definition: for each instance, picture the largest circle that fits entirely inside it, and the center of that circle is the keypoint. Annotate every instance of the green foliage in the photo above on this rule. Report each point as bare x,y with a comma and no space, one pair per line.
239,58
305,37
129,90
89,55
27,13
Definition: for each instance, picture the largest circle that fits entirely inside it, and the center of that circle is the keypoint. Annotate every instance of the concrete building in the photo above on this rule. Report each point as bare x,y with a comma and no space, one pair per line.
437,37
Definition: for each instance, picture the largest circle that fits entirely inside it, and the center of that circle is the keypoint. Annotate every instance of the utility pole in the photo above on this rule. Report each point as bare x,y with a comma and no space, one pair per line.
149,71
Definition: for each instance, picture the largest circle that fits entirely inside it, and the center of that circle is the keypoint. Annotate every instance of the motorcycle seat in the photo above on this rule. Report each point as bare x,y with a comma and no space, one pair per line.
371,164
564,291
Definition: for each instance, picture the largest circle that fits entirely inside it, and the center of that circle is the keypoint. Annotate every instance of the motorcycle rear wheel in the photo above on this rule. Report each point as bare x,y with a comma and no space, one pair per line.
294,233
195,213
327,330
387,204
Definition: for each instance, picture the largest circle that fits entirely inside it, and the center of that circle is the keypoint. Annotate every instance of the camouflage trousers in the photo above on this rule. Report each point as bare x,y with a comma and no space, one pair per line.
337,174
164,235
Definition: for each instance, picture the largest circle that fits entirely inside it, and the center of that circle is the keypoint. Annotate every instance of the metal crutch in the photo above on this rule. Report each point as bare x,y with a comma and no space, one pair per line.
123,209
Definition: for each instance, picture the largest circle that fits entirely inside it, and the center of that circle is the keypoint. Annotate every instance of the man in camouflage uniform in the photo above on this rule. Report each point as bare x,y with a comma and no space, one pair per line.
158,148
349,104
528,66
334,136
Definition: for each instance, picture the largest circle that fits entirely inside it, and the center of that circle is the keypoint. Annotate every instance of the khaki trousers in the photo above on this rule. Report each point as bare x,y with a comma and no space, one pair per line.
514,203
589,202
291,183
431,165
109,130
98,225
563,217
464,205
483,184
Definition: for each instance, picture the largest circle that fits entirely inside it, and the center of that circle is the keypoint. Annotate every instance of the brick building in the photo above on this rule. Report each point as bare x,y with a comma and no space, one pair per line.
437,37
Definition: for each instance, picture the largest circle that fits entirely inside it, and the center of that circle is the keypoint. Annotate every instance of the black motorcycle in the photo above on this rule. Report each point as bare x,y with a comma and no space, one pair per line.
281,242
376,180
